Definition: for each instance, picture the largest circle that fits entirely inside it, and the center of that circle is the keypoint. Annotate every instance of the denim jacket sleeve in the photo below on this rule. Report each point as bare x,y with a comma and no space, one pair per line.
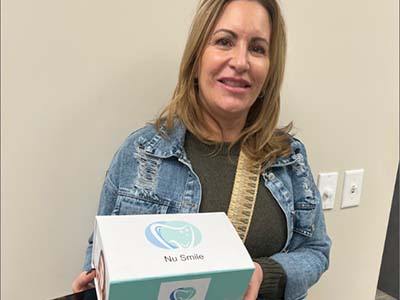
307,257
106,206
107,201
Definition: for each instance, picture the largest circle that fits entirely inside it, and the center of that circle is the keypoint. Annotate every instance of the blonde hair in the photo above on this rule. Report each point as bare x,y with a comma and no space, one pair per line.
260,139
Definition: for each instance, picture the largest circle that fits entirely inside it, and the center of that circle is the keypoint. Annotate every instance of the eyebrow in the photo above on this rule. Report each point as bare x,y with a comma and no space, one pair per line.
235,35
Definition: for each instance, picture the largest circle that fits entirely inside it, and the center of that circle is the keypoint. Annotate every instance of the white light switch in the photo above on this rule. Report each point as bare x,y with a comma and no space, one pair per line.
327,183
352,188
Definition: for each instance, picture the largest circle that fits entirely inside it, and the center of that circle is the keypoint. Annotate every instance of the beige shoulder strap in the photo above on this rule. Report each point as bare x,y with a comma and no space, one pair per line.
244,194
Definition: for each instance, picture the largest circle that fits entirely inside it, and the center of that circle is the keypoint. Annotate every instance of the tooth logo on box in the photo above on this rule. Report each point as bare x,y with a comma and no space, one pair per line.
173,235
183,294
194,289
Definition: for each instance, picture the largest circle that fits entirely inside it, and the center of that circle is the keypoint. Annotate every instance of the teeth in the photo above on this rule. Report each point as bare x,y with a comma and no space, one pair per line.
234,83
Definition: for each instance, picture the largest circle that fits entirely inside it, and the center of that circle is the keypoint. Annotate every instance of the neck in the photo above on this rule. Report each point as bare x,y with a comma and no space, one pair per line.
231,128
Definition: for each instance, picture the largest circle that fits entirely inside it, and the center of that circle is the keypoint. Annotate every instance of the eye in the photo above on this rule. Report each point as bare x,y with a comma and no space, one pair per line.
224,42
258,49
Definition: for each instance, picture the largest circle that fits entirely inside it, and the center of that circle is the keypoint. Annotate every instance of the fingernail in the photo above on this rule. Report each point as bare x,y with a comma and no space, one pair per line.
90,271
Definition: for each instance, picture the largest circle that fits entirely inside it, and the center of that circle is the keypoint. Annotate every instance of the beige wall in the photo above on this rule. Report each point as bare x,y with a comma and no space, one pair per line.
78,76
342,91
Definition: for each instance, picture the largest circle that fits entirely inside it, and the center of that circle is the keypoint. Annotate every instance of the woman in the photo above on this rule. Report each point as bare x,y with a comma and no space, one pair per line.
225,107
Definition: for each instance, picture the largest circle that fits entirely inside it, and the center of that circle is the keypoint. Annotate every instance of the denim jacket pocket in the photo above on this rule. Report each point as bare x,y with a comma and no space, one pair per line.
139,205
304,216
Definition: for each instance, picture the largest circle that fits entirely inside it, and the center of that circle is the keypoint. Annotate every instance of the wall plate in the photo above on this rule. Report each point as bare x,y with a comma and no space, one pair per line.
327,184
352,187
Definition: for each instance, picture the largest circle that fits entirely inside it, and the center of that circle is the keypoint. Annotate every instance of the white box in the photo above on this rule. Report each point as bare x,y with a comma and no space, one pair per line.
169,257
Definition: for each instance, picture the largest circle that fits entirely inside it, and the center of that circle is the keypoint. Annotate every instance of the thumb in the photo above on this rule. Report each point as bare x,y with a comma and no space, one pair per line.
90,275
251,293
81,283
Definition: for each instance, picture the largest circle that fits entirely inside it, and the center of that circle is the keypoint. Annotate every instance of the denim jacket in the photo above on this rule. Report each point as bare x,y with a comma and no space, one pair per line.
151,174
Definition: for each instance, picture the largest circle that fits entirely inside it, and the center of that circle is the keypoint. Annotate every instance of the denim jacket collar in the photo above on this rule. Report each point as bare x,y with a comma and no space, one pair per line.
163,144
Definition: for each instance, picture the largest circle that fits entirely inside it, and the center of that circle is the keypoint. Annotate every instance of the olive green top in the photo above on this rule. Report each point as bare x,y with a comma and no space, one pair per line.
216,168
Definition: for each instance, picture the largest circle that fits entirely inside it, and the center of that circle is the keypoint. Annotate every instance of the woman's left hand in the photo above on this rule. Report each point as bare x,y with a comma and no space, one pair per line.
254,285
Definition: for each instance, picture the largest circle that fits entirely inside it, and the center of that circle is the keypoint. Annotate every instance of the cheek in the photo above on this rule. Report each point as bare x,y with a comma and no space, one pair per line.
261,71
211,64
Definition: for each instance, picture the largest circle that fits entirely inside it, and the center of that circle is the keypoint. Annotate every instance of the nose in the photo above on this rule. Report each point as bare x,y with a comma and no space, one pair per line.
240,59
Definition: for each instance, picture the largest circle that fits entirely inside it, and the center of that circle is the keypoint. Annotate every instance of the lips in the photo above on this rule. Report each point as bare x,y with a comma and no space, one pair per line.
235,82
234,85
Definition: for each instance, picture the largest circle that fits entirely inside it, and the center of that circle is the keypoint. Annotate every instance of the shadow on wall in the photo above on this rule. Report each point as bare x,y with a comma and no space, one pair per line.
389,274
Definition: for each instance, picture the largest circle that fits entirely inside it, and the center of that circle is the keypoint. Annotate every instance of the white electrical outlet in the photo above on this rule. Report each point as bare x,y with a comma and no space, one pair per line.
327,183
352,188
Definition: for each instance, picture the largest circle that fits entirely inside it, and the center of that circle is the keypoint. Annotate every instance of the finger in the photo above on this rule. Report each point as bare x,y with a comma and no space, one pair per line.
81,283
76,288
91,275
77,285
251,293
90,271
246,295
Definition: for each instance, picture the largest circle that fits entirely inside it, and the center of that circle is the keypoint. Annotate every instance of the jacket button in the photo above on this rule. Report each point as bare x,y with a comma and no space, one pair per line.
271,176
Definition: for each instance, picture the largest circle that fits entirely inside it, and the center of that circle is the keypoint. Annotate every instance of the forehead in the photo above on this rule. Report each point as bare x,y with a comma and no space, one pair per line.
245,17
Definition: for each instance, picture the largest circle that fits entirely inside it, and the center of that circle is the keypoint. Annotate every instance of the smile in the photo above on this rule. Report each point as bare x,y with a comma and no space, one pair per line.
234,86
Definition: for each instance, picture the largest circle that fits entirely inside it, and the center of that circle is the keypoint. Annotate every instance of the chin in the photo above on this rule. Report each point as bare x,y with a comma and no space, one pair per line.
234,110
233,106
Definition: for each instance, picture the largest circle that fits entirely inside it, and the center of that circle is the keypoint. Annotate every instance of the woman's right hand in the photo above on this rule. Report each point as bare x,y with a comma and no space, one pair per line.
83,281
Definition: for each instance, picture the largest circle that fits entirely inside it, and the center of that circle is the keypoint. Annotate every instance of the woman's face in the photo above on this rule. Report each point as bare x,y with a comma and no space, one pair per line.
235,62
